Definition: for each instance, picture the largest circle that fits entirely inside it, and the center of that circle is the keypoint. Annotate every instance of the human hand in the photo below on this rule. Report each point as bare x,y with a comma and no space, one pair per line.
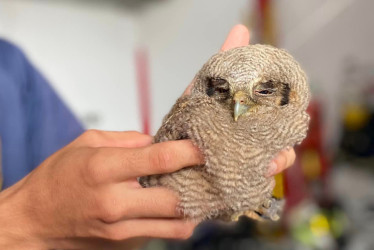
282,161
239,36
88,190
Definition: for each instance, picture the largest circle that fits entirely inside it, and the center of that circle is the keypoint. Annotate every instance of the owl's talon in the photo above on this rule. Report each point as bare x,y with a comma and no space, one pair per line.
272,208
249,213
235,217
267,203
275,217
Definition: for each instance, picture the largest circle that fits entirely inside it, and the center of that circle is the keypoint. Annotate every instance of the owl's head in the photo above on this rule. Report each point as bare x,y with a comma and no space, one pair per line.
254,79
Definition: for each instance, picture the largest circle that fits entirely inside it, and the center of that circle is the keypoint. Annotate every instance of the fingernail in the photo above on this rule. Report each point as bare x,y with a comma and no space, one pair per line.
272,168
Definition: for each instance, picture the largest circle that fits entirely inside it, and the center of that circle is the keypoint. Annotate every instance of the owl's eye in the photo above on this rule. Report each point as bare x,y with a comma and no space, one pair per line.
266,89
265,92
218,88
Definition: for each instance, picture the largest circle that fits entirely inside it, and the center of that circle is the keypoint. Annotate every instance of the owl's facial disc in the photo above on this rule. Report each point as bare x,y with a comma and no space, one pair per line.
242,104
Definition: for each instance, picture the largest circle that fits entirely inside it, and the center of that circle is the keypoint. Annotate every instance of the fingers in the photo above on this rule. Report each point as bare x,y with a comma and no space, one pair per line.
283,160
152,203
155,228
189,88
124,203
238,36
98,138
120,164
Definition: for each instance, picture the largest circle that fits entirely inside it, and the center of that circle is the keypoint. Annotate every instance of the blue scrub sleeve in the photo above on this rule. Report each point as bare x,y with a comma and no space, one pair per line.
34,121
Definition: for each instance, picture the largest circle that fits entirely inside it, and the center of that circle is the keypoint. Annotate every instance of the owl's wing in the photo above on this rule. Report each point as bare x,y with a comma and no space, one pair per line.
301,126
174,124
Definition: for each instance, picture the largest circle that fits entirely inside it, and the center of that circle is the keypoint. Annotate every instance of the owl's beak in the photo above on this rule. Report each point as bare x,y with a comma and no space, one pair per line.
240,106
239,109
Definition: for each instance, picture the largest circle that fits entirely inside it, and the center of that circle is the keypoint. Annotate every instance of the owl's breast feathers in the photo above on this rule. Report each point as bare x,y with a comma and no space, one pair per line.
234,151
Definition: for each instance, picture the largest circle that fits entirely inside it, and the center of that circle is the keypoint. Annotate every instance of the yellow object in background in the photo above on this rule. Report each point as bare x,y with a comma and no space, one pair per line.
278,191
355,116
311,164
319,225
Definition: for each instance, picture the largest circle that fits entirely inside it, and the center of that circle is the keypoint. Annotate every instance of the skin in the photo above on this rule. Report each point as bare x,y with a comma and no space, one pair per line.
86,195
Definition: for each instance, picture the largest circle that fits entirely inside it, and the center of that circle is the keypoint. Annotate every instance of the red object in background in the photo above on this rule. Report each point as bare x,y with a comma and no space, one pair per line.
144,97
311,163
265,23
262,5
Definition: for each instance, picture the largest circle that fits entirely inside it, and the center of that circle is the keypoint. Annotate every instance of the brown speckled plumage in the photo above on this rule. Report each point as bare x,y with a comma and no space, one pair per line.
237,153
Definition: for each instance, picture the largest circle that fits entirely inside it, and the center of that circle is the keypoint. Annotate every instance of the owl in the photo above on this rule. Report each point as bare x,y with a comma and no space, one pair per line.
246,105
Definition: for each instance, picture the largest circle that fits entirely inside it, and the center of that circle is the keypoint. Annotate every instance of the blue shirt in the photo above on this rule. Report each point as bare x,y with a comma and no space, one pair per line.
34,122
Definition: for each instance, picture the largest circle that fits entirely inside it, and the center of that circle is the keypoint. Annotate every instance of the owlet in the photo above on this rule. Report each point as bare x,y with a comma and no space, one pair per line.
246,105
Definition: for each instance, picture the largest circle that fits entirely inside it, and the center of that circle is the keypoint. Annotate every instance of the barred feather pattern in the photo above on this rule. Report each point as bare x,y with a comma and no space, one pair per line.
237,153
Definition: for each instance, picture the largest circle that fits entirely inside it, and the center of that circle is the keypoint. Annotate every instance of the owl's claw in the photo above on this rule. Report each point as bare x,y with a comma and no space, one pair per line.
249,213
267,203
235,217
272,208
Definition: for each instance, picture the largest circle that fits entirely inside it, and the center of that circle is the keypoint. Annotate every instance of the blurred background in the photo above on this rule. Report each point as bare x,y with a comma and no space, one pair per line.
121,64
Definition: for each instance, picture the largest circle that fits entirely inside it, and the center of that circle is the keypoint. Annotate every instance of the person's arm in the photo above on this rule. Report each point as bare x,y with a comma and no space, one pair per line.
35,122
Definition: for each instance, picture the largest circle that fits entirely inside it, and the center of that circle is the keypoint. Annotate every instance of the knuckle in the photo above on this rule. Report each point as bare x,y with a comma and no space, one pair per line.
93,171
91,133
89,169
108,210
108,216
91,136
95,157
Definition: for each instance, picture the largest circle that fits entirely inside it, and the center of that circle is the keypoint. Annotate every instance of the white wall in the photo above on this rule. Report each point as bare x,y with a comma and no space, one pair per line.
181,36
85,50
322,36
